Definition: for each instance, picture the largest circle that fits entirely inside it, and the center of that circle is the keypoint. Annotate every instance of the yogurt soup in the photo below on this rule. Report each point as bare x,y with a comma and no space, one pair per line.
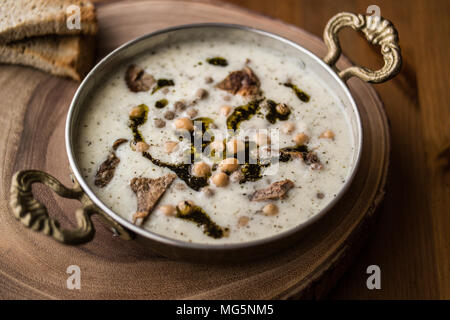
215,142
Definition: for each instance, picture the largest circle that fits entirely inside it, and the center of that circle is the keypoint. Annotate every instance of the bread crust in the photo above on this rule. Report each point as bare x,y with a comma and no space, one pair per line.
21,19
68,56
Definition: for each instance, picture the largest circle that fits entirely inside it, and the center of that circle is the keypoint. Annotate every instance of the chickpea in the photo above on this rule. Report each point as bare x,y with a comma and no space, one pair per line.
159,123
137,112
235,146
327,134
192,113
243,221
201,169
184,123
141,146
262,139
288,128
167,210
270,209
217,146
220,179
169,115
186,206
225,110
179,106
228,165
282,109
301,139
171,146
201,93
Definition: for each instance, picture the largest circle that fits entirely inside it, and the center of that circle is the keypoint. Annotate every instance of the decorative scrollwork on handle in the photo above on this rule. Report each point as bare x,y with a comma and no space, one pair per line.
378,31
33,214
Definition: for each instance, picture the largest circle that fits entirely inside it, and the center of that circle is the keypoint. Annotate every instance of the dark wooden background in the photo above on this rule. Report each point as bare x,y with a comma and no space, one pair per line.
411,240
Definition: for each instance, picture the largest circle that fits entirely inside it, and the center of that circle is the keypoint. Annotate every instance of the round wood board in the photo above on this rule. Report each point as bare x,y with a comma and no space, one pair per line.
32,120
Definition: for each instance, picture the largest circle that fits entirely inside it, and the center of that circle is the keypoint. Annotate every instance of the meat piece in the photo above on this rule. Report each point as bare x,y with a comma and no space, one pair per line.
286,155
309,157
313,161
138,80
148,191
277,190
106,170
118,142
243,82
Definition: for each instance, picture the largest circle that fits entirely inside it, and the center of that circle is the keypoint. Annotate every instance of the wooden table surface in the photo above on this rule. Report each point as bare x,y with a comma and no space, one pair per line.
411,240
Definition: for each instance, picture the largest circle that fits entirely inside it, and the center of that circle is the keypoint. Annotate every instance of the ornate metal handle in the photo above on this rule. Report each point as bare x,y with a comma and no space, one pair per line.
34,215
378,31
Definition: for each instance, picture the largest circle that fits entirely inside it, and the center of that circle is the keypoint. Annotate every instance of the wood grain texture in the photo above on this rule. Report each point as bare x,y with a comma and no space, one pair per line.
410,241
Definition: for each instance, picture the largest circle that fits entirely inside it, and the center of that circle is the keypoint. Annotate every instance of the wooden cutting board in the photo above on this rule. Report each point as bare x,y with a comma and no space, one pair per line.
33,108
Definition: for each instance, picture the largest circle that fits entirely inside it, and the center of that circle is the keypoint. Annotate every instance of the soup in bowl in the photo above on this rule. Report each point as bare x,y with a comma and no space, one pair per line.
250,140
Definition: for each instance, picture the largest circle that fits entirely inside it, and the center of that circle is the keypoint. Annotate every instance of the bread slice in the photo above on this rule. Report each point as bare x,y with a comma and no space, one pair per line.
70,56
21,19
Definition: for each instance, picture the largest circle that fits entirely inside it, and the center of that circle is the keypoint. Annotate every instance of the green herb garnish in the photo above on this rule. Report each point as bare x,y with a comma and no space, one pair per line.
161,103
218,61
160,83
303,96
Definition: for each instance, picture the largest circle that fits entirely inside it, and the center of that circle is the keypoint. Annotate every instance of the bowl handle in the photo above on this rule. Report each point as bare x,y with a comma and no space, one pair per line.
378,31
33,214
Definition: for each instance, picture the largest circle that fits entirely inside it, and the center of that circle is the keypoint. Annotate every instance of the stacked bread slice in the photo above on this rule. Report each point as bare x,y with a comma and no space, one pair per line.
56,36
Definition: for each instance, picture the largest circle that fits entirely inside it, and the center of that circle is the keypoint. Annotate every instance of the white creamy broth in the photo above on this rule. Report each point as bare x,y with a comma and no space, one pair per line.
106,119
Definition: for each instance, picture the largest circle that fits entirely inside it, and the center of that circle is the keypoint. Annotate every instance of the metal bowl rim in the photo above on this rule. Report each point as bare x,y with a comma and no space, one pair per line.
207,246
